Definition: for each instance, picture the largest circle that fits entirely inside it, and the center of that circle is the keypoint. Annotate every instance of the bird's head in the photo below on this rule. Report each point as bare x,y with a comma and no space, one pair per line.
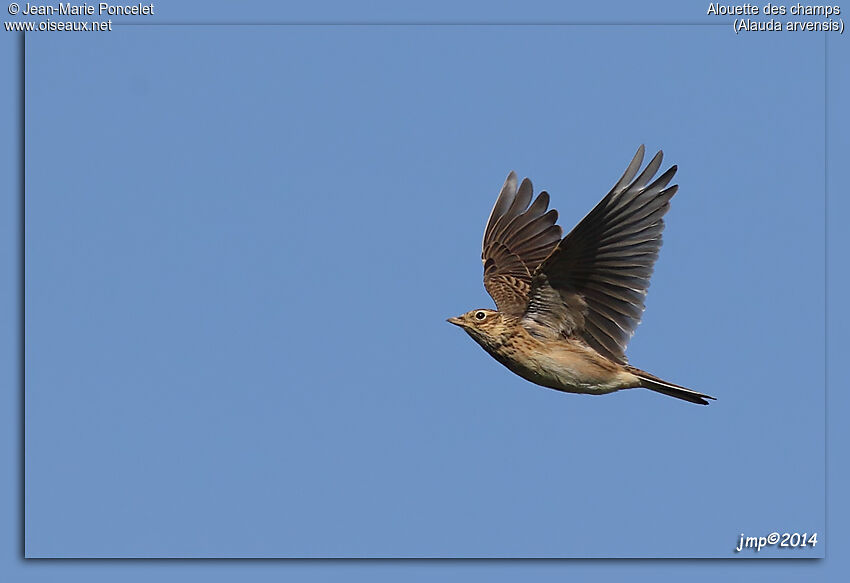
485,326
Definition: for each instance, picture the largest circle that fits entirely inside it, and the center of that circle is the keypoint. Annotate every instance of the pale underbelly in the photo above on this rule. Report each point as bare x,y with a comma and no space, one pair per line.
574,376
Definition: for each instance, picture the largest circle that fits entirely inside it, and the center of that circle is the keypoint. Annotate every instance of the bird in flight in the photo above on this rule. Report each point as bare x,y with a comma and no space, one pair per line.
567,307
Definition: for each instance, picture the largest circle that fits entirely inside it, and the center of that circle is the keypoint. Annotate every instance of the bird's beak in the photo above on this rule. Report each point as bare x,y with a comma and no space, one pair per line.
455,321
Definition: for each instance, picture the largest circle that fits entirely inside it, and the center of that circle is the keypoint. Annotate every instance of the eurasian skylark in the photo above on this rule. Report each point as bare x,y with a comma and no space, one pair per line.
568,307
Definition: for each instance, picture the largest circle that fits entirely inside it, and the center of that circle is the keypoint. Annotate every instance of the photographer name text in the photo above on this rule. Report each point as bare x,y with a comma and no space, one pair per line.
86,9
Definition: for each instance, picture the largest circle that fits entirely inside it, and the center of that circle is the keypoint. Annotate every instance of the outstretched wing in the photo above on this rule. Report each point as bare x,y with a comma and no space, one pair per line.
519,235
594,283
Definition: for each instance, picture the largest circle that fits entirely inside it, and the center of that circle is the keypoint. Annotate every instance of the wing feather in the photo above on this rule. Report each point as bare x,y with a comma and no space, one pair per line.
593,284
520,234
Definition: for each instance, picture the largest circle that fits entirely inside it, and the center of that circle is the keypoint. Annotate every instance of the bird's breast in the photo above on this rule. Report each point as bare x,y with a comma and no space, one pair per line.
564,365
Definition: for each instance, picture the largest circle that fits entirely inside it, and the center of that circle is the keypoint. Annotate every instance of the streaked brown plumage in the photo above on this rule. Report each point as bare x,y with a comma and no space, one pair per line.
568,306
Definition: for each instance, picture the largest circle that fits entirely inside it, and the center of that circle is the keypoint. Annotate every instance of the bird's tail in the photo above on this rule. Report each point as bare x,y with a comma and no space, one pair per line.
652,382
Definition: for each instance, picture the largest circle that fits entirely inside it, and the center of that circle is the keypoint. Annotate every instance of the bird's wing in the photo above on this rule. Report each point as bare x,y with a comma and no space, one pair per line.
593,285
519,235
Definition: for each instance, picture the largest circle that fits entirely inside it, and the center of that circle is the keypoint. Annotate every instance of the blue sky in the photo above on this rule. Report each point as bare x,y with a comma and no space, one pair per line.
242,243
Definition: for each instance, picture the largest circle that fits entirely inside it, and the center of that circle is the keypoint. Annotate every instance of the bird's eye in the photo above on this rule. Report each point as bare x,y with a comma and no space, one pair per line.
480,315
